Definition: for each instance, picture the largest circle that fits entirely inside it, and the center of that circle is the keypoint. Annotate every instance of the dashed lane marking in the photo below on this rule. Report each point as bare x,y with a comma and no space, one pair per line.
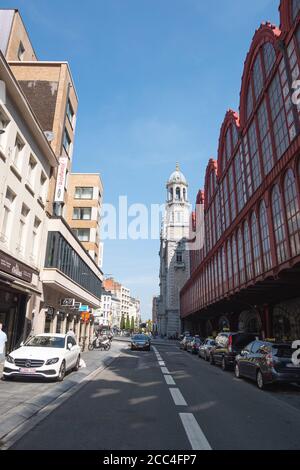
165,370
169,380
177,397
194,433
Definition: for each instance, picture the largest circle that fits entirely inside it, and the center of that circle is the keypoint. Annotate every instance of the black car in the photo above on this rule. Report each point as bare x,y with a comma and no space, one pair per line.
194,345
228,346
140,342
205,348
266,363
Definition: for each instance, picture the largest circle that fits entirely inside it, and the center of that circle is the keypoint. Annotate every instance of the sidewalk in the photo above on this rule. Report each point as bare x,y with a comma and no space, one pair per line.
21,399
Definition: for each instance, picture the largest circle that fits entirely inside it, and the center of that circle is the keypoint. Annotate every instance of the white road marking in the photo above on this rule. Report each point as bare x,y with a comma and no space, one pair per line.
194,433
169,380
165,370
177,397
161,363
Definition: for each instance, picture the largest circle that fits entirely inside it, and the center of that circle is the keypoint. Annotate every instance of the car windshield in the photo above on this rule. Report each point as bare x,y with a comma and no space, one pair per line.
46,342
139,338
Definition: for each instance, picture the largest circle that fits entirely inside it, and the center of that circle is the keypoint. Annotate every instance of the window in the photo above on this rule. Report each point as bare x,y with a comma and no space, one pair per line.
249,102
21,51
265,137
235,136
66,142
70,113
227,218
241,257
235,262
43,186
83,234
248,176
7,216
255,162
265,237
231,186
228,144
248,252
293,62
269,57
256,245
35,237
229,265
4,121
240,181
278,117
295,8
19,145
179,258
258,79
83,193
31,170
177,197
279,229
292,211
82,213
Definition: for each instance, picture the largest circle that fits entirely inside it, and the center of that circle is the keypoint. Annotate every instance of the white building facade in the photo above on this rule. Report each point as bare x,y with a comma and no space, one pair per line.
174,257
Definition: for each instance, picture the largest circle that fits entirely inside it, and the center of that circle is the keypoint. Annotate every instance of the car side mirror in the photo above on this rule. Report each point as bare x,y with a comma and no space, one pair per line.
70,346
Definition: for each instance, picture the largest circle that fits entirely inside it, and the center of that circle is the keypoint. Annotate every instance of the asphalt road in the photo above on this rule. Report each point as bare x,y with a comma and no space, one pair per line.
167,399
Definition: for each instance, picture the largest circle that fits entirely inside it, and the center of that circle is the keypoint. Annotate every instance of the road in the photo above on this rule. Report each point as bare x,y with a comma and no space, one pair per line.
167,399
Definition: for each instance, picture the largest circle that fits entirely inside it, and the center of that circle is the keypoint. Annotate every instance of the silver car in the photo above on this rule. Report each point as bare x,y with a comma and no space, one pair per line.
205,348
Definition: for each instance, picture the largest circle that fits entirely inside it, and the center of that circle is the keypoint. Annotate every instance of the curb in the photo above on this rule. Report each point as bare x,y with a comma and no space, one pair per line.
34,417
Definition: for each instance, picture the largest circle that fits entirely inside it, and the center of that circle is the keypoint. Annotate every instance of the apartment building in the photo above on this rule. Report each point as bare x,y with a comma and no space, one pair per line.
26,164
85,194
103,315
70,276
121,292
135,311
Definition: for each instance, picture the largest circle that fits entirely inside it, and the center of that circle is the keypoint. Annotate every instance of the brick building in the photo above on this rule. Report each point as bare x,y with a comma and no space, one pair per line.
247,275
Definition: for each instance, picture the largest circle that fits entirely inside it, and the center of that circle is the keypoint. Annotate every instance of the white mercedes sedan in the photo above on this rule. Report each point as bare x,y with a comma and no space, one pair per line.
47,355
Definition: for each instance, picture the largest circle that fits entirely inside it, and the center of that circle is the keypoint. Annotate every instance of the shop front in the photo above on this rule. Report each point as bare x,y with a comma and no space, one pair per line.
17,295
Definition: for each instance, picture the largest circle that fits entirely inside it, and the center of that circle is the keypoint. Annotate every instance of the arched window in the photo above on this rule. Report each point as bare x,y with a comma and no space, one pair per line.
171,194
177,194
295,9
249,101
280,128
229,265
184,194
241,257
265,137
256,245
265,236
248,252
235,263
269,57
258,78
279,229
292,211
254,155
235,135
228,144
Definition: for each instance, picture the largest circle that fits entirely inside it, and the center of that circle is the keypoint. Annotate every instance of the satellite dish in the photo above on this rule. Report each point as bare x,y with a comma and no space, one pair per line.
49,135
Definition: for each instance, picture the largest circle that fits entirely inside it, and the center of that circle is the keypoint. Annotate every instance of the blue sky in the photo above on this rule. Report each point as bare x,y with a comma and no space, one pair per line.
154,79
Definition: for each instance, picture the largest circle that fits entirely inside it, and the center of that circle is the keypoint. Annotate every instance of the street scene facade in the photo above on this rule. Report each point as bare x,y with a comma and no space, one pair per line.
91,360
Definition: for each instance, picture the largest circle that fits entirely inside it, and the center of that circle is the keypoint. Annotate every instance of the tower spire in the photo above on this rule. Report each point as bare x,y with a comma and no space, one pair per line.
177,166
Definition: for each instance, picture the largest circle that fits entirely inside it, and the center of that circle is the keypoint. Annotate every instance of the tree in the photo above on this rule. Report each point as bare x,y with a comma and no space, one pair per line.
127,324
122,323
132,324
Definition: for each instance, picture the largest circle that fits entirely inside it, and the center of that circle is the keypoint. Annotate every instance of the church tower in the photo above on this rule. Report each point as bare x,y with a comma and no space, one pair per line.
174,258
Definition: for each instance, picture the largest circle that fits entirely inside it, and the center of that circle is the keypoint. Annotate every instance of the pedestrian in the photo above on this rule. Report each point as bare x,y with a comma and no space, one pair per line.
3,341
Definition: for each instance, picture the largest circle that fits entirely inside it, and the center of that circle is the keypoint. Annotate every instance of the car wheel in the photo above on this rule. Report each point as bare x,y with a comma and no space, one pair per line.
62,372
237,371
224,364
260,380
77,365
211,360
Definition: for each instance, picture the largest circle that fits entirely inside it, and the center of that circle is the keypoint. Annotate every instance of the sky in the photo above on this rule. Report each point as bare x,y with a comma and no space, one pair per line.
154,80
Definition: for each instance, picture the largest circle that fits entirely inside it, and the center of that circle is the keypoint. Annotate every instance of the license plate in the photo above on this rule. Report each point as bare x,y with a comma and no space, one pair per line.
28,371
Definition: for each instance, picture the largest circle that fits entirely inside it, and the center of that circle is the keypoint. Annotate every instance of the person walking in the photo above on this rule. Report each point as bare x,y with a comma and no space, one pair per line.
3,341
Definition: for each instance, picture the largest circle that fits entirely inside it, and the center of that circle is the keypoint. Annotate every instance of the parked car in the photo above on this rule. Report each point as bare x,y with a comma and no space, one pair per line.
140,342
183,343
228,346
205,348
267,363
194,345
45,355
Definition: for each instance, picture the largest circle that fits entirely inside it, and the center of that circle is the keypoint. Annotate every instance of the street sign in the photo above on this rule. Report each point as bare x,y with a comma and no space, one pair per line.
67,302
84,308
